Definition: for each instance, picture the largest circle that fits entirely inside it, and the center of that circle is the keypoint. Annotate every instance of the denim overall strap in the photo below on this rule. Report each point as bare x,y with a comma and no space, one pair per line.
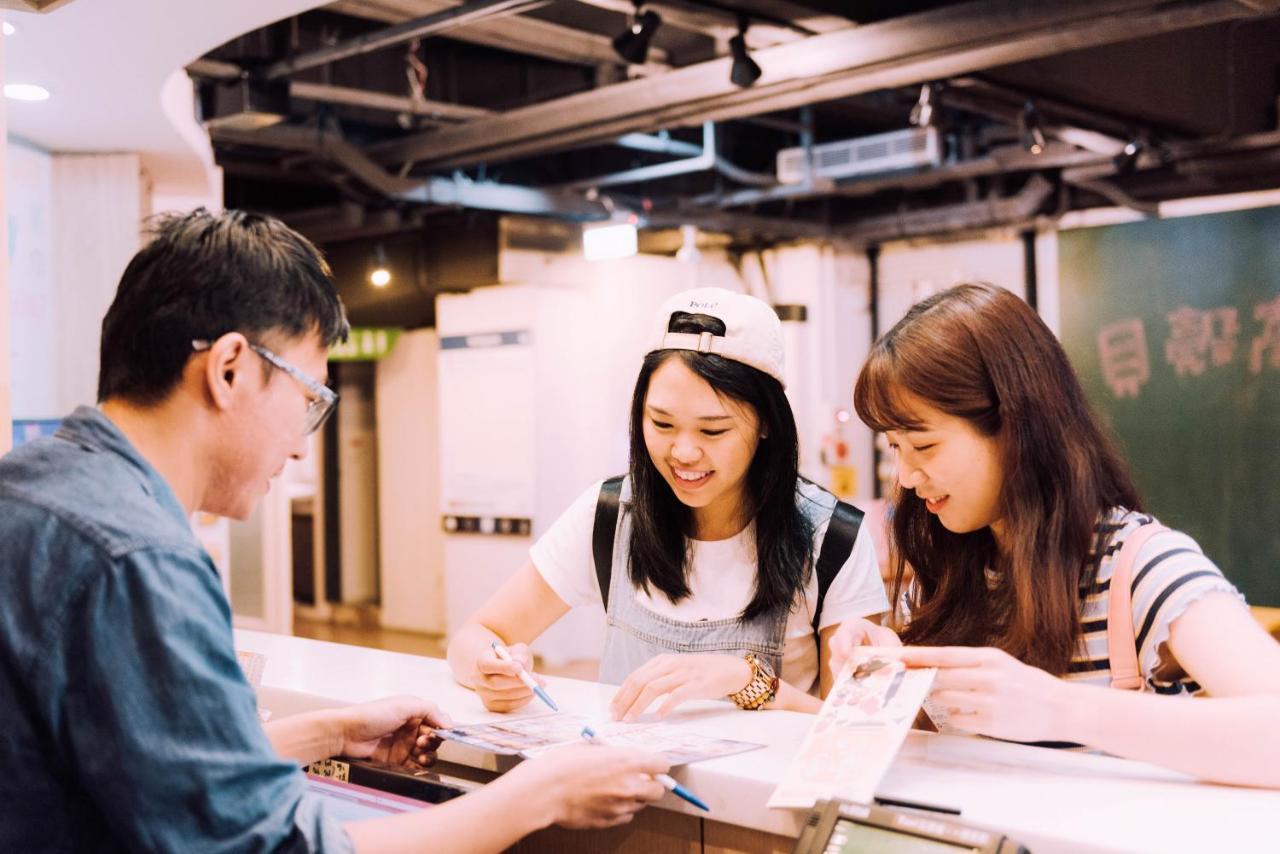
634,634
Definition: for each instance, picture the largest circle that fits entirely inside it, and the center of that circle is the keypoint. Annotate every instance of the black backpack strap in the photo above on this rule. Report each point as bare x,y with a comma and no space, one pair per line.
603,533
837,545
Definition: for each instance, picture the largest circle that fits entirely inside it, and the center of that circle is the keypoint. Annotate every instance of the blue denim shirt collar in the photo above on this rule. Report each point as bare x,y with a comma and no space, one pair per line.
89,428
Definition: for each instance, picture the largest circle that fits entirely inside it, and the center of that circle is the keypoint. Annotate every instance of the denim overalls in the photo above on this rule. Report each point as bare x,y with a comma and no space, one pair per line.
634,634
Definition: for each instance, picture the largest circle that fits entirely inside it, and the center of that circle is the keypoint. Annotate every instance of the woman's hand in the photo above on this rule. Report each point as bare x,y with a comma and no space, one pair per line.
855,633
395,731
681,678
497,682
986,690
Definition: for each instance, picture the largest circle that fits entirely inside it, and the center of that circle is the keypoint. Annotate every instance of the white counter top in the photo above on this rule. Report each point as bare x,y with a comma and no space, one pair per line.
1049,800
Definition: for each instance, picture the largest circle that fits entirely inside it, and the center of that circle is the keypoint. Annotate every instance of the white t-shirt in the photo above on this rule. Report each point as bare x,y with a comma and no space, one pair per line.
721,581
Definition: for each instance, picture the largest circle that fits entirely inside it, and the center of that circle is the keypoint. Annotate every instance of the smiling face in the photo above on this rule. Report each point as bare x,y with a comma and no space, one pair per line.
949,465
264,429
702,443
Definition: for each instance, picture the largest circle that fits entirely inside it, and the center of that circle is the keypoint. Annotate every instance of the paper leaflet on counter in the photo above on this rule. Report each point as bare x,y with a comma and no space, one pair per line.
532,735
856,735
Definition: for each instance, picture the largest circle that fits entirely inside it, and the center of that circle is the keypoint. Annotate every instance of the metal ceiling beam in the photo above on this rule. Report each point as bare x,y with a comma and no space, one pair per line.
448,192
434,24
368,99
528,36
932,45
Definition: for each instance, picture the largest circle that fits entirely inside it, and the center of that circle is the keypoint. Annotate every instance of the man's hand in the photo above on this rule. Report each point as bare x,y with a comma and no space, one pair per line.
393,731
589,785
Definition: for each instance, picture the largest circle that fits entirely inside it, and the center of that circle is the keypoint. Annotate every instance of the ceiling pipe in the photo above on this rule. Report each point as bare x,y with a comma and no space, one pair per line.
968,216
909,50
427,25
1003,160
456,191
706,160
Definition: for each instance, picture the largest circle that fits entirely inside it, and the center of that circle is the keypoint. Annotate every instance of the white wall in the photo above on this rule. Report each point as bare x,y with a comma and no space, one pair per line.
98,203
6,431
357,484
34,340
411,542
911,271
74,223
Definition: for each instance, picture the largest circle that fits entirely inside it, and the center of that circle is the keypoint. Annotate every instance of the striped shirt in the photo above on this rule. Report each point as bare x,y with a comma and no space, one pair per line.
1169,574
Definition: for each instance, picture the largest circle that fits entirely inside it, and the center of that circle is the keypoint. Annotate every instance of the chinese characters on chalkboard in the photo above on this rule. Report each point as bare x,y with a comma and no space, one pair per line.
1197,340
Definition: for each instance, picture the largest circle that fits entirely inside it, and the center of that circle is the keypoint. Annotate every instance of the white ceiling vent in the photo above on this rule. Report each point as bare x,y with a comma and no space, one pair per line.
912,148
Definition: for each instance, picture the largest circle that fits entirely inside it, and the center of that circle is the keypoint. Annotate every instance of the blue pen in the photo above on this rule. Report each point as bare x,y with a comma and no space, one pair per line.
665,779
529,682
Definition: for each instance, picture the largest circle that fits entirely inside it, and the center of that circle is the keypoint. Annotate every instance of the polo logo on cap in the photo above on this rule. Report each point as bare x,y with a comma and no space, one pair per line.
696,304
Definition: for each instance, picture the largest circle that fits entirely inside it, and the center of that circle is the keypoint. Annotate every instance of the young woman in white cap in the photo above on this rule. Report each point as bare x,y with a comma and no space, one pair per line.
712,556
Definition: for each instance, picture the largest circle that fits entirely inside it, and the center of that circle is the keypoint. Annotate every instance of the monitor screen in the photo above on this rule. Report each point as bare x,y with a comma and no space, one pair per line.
850,837
349,802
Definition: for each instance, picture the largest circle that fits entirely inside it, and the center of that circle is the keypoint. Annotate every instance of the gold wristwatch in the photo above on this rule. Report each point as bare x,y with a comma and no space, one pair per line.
762,688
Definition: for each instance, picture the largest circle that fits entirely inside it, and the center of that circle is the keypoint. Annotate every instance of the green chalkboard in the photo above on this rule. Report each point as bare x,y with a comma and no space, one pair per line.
1174,328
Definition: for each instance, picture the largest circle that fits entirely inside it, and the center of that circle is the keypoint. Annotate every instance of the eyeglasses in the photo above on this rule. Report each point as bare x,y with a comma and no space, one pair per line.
322,399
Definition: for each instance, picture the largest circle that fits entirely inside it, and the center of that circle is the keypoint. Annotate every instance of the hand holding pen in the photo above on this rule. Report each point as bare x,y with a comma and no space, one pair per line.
668,782
505,682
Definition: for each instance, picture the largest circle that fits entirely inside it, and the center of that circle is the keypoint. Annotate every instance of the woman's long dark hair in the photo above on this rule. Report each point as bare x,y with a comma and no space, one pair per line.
980,353
661,525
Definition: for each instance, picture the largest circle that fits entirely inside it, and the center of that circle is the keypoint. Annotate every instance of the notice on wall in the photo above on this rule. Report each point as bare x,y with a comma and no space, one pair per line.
486,425
857,734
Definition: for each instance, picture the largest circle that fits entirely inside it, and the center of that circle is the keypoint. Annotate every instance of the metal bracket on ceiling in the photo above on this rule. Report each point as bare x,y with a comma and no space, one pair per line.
706,160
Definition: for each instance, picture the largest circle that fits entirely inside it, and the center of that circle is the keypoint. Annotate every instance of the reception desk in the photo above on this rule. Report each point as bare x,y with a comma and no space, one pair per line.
1049,800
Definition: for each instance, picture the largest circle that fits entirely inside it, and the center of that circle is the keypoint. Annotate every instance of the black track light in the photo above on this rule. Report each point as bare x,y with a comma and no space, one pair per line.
632,44
1127,160
745,71
922,112
1030,129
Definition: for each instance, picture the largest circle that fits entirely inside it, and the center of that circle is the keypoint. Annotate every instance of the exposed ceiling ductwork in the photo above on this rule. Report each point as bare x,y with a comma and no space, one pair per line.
566,130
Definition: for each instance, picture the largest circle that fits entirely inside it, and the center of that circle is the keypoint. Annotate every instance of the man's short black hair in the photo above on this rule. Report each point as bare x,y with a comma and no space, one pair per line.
204,275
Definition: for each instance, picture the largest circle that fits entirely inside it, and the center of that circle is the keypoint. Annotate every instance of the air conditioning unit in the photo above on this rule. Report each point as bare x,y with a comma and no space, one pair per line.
912,148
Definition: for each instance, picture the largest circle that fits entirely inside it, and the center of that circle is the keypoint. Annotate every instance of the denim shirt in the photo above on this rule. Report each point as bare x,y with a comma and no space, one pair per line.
126,723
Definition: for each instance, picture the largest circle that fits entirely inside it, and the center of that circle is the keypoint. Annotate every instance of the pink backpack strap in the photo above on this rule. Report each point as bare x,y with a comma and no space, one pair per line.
1121,644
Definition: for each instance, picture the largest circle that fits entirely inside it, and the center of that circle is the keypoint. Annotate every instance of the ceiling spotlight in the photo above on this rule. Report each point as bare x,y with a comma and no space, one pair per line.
922,112
25,92
379,273
1031,130
9,29
1127,160
609,240
745,71
632,44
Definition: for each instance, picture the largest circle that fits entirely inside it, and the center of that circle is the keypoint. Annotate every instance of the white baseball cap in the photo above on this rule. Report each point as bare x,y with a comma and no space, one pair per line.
752,331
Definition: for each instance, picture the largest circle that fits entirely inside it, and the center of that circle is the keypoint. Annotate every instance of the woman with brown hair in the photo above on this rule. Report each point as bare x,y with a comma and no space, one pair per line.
1013,508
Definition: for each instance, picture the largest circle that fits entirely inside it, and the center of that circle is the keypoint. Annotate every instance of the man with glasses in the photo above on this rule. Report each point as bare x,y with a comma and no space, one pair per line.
126,723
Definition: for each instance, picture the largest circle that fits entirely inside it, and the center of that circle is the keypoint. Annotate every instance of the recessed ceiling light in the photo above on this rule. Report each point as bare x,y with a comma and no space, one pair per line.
25,92
9,29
